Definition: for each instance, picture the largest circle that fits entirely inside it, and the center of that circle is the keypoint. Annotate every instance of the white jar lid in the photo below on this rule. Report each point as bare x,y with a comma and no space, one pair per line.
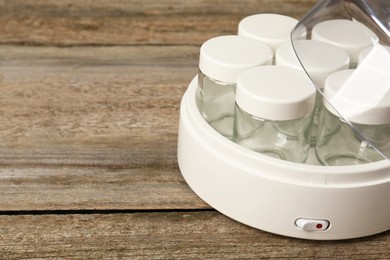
361,96
275,93
352,36
285,56
320,59
223,58
273,29
377,55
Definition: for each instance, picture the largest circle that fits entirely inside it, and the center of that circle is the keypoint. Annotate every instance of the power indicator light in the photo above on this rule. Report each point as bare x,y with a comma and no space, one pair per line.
319,226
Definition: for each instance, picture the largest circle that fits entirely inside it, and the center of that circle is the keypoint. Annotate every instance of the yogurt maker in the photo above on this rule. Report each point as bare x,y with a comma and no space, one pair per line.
303,200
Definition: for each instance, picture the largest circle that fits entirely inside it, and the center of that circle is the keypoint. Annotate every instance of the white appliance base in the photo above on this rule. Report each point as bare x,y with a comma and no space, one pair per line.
286,198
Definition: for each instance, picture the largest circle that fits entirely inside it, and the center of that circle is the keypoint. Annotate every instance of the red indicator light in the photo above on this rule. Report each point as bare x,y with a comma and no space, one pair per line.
307,224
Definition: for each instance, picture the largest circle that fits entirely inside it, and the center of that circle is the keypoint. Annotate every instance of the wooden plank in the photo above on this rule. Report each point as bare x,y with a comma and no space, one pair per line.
93,128
165,235
94,188
71,22
101,8
67,106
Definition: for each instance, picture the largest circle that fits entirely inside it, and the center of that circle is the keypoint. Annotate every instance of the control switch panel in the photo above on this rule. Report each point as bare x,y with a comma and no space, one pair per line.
307,224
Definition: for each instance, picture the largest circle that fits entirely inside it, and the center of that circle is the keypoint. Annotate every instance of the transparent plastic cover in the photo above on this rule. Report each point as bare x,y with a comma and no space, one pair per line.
355,89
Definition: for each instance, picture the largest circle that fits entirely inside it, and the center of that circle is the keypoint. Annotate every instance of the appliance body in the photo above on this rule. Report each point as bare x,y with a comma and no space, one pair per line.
298,200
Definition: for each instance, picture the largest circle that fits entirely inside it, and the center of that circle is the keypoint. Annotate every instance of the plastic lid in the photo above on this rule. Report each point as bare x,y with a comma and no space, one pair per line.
285,56
320,58
349,95
275,93
352,36
223,58
273,29
362,96
379,54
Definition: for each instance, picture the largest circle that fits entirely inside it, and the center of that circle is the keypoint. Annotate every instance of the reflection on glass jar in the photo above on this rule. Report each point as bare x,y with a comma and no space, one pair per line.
221,61
319,60
216,100
274,108
339,144
365,123
286,140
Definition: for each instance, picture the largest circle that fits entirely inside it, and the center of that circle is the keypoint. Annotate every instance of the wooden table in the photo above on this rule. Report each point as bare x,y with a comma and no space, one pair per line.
89,106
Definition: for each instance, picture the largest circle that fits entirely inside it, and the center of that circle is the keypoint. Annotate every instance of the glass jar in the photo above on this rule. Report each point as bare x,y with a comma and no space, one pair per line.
349,139
320,60
221,60
274,106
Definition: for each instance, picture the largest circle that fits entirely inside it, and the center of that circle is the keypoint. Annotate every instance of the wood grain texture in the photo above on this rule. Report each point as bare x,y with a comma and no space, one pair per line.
94,188
88,127
118,22
92,93
93,128
171,235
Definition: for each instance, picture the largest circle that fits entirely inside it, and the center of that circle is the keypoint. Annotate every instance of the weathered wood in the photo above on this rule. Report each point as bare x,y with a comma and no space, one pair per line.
101,8
174,235
71,22
87,188
93,128
107,107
